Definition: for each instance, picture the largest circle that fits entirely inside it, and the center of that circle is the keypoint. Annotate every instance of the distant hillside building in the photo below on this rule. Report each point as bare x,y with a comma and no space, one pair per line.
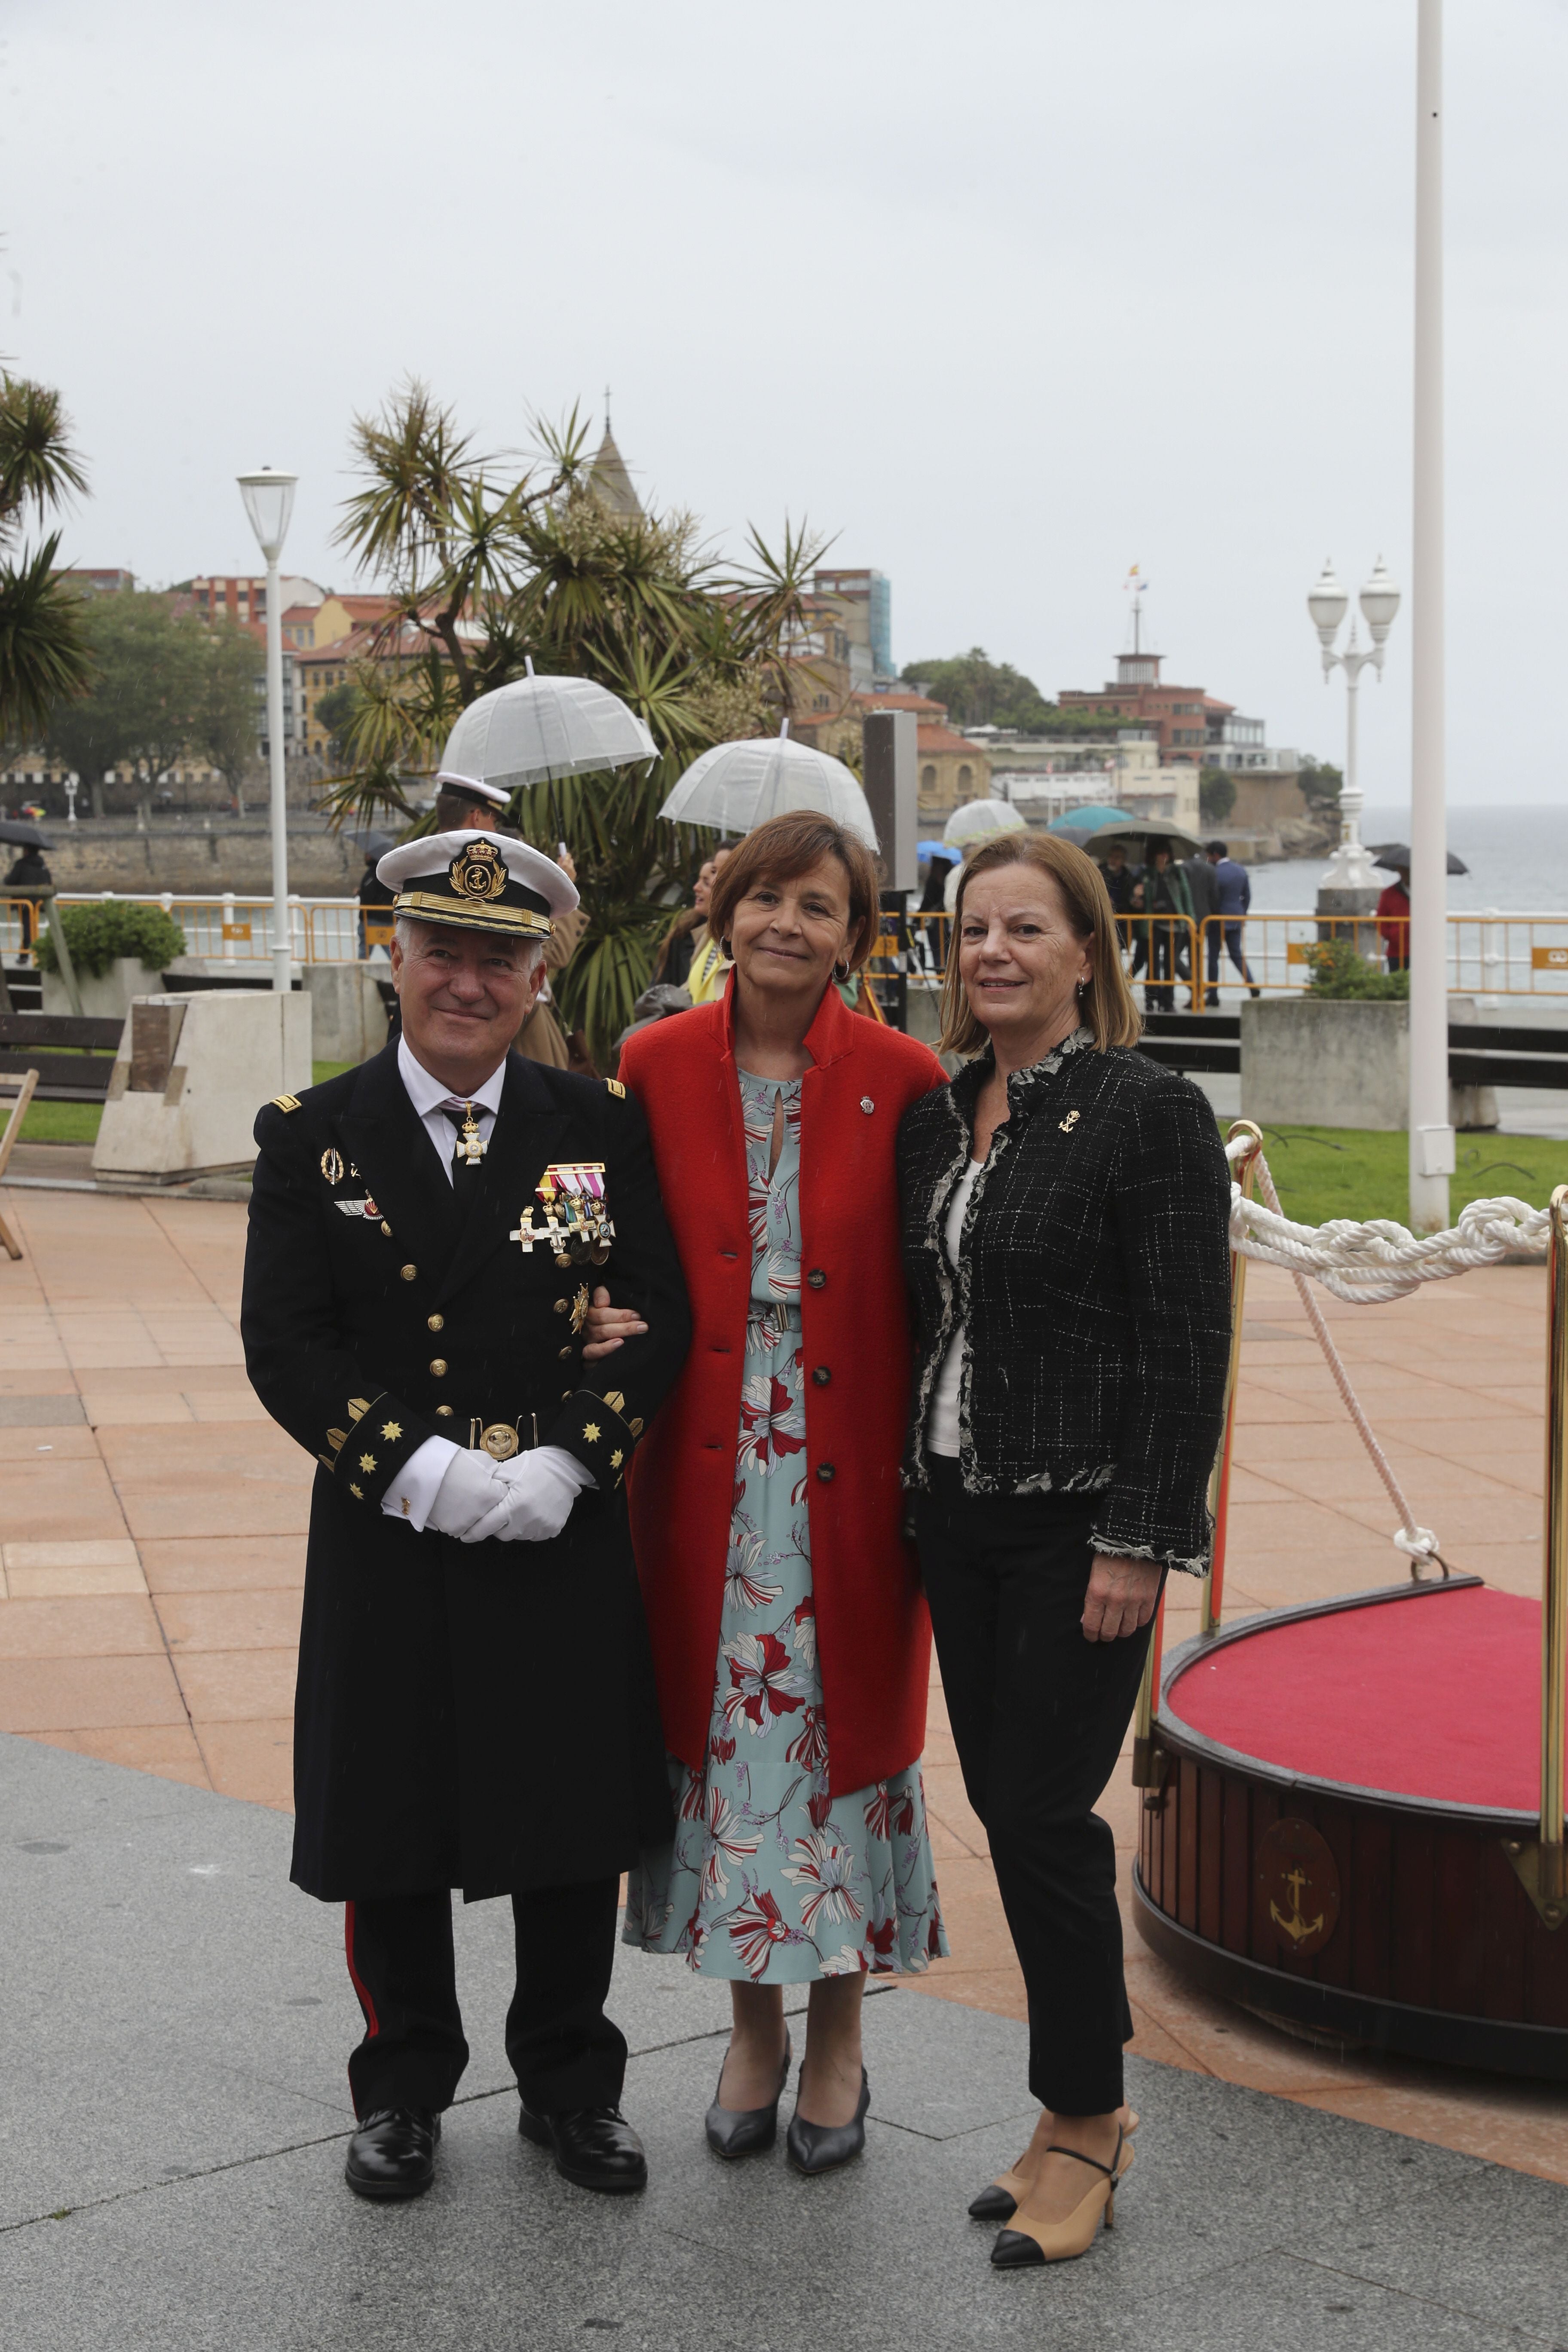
1191,726
862,602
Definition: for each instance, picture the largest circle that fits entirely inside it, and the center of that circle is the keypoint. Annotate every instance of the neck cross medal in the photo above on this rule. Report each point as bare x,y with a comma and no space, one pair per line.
470,1147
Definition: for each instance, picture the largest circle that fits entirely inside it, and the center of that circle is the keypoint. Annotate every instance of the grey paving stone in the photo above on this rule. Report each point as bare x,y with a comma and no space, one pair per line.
40,1412
177,2020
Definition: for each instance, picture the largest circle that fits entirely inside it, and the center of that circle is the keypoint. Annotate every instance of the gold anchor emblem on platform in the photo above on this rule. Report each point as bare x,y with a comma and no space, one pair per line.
1295,1927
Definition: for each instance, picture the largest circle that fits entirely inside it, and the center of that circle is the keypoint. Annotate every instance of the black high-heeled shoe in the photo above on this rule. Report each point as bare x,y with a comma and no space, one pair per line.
745,2131
823,2147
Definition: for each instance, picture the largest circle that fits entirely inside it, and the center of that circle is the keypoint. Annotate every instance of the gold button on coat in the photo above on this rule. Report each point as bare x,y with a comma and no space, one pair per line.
439,1367
434,1322
562,1304
386,1229
408,1271
443,1413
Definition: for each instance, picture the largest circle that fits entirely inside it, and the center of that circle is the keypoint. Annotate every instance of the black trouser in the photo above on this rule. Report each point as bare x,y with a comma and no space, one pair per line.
1038,1714
1164,959
564,2050
1233,949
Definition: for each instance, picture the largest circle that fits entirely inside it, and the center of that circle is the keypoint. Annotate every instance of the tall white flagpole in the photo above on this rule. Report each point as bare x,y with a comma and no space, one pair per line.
1431,1135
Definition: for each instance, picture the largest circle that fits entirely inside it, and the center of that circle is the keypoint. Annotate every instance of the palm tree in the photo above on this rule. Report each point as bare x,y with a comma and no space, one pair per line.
44,656
490,566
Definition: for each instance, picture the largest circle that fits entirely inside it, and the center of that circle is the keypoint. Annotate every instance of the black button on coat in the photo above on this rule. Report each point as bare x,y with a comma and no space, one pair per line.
475,1716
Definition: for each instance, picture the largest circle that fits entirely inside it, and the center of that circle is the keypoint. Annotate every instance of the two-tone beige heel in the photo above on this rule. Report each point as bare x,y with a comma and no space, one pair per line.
1031,2244
1000,2199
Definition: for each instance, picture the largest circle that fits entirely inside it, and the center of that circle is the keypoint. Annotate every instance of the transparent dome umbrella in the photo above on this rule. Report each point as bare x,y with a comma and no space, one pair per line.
737,786
538,730
978,820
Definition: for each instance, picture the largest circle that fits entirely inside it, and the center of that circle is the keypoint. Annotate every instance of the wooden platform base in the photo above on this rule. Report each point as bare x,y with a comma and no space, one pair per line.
1386,1915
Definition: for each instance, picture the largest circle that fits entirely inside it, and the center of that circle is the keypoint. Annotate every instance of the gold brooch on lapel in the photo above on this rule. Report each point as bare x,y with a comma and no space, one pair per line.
1068,1123
332,1167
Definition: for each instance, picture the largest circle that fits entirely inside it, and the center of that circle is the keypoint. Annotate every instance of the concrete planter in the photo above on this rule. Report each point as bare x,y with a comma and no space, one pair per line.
190,1075
348,1017
1310,1061
106,996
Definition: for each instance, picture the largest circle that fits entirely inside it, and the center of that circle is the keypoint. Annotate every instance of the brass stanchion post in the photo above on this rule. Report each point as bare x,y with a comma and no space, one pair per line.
1246,1167
1541,1863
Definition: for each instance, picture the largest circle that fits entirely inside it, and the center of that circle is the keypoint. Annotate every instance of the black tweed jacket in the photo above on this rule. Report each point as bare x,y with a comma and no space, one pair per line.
1093,1285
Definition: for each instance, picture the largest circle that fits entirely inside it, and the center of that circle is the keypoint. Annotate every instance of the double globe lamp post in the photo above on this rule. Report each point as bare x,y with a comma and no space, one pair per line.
269,501
1351,869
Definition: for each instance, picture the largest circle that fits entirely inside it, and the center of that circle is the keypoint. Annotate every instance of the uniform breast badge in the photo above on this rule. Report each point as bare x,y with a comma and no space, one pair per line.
577,1223
332,1166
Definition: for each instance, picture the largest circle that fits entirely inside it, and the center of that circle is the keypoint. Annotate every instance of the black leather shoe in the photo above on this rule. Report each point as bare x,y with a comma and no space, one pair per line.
594,2146
745,2131
823,2147
393,2153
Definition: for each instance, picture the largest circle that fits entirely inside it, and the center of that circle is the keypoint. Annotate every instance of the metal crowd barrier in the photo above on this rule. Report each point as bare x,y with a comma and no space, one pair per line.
227,928
1490,954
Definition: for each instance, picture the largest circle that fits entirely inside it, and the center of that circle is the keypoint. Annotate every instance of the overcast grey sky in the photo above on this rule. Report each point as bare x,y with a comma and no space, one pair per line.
1009,296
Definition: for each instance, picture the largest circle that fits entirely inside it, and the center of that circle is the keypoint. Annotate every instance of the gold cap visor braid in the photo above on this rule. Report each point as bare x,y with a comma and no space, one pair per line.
471,915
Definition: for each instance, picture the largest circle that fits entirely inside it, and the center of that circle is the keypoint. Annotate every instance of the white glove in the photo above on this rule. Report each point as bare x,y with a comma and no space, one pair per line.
539,1489
467,1493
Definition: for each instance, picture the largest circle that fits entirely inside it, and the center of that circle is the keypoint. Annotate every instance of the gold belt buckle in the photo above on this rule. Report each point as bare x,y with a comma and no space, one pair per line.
500,1440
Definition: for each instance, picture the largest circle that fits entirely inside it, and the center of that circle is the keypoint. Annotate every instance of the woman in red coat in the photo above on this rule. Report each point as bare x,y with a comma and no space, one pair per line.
789,1634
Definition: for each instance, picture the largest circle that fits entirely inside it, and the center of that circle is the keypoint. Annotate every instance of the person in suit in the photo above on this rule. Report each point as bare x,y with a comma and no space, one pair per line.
477,1707
790,1637
1233,897
1205,896
1066,1206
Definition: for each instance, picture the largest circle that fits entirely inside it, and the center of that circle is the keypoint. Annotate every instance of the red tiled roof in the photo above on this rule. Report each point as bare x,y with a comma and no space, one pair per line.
943,738
891,701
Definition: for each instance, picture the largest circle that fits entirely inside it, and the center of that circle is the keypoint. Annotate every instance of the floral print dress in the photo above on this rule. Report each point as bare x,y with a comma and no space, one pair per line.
768,1878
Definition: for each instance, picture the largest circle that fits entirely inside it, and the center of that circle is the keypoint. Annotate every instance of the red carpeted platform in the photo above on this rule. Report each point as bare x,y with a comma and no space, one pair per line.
1437,1696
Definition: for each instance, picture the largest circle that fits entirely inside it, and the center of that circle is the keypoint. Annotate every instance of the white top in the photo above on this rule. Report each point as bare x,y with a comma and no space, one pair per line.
428,1094
412,1491
941,1436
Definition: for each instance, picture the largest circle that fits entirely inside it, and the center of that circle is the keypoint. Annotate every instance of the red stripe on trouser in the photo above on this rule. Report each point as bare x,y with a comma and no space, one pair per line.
373,2024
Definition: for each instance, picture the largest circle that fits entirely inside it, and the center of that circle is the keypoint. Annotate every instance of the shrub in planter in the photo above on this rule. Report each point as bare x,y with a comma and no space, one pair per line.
1338,972
98,936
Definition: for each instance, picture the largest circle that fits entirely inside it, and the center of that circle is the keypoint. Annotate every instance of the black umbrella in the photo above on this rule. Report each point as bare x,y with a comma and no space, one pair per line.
25,836
373,844
1395,855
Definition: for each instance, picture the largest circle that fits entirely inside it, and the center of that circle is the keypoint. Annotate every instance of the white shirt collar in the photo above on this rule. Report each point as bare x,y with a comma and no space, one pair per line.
427,1094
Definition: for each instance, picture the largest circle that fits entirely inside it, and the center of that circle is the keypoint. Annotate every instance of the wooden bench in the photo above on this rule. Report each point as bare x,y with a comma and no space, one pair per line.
77,1070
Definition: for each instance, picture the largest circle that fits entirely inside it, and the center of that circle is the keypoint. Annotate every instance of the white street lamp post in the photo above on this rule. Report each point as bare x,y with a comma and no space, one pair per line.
1431,1133
1351,868
268,501
71,783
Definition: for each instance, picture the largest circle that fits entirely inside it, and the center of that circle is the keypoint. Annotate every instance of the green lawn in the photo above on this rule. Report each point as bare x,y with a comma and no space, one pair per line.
1339,1171
55,1122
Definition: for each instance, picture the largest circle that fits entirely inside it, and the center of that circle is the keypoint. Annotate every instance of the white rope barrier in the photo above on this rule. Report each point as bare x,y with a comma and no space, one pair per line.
1362,1264
1366,1263
1418,1544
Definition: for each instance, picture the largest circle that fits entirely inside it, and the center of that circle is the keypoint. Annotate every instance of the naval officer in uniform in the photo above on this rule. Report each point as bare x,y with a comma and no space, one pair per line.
476,1705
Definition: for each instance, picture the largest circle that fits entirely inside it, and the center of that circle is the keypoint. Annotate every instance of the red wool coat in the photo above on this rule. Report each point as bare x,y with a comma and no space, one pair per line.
873,1634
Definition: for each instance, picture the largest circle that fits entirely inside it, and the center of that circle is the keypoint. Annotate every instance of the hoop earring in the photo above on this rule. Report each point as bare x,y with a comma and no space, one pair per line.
841,970
724,951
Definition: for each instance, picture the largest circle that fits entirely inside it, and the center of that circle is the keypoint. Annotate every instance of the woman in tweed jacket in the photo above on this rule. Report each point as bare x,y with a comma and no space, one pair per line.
1065,1206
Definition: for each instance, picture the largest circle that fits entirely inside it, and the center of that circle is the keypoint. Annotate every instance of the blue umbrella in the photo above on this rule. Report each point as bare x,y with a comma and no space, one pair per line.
935,849
1088,819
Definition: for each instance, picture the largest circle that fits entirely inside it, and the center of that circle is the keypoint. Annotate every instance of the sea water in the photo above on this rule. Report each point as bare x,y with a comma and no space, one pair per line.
1518,859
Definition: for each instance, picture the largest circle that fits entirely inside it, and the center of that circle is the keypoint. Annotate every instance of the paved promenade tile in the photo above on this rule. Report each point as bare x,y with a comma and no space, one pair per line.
152,1549
147,1941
